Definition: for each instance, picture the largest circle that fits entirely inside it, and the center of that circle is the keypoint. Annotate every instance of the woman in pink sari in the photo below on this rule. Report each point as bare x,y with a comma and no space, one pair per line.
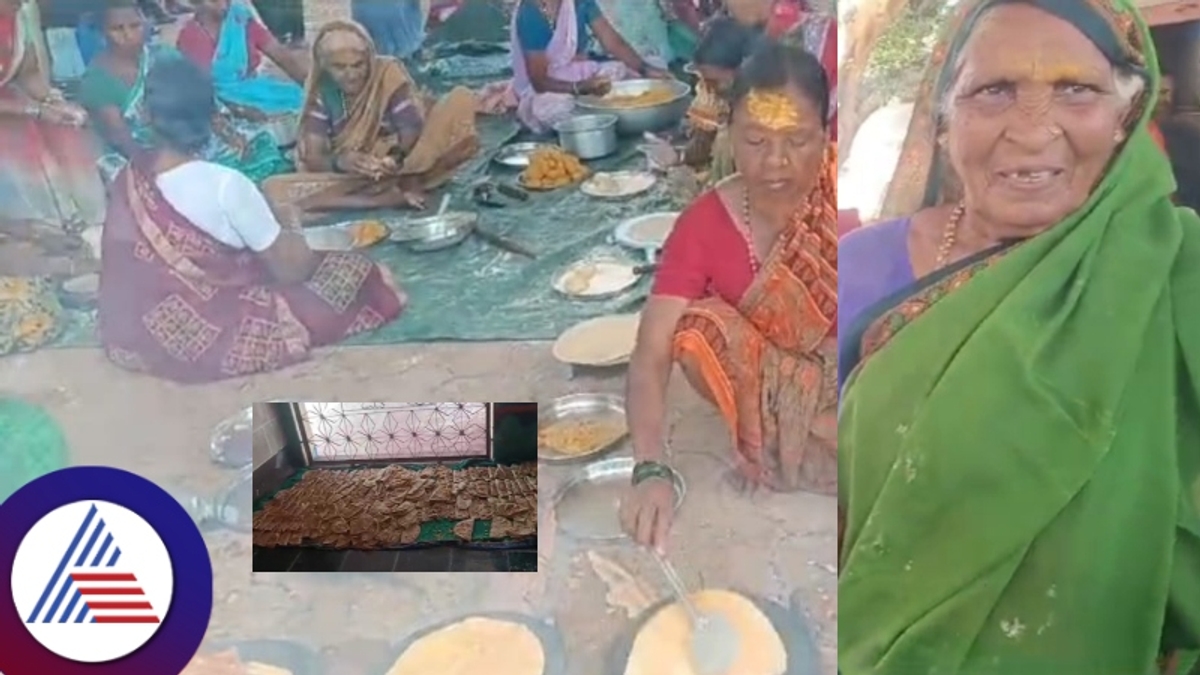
551,65
199,280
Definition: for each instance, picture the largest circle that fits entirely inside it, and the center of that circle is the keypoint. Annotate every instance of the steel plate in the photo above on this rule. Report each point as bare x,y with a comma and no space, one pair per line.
587,505
517,155
576,407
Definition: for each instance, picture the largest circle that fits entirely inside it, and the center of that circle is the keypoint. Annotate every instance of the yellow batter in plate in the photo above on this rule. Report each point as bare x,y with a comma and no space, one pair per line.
473,646
663,645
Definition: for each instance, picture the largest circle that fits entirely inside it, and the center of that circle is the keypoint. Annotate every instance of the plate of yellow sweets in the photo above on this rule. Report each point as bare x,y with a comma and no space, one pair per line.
551,168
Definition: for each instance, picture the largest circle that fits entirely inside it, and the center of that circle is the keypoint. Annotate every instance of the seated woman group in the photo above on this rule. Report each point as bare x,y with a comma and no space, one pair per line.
368,136
745,301
199,280
114,87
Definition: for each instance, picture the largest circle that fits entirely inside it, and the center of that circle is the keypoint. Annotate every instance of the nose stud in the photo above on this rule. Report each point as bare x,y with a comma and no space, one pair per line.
1056,132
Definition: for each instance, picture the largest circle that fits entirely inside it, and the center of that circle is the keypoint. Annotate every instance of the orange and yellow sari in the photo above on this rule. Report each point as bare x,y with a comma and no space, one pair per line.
769,362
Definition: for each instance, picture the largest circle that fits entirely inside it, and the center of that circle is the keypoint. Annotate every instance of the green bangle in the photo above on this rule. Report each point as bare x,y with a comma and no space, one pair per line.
644,471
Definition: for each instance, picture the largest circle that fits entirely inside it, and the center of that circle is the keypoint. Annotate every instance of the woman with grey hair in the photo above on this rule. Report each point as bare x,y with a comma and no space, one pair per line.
1019,432
369,137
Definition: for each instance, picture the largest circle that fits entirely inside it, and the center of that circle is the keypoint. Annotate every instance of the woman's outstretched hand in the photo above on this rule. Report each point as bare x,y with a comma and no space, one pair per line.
648,511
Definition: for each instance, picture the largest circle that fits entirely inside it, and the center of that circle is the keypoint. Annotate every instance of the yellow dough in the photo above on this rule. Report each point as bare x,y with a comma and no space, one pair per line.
474,646
663,646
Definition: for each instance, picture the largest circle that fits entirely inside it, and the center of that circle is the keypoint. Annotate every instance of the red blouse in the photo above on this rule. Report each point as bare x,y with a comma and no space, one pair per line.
200,46
707,254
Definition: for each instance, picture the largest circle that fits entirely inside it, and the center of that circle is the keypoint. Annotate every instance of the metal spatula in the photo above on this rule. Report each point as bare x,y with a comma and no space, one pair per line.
715,643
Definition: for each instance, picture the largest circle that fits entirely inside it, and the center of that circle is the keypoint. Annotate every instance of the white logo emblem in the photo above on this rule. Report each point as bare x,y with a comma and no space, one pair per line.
92,581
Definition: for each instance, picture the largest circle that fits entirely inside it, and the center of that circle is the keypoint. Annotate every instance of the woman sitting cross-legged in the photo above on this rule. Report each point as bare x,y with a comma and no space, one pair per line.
199,281
745,298
113,90
369,139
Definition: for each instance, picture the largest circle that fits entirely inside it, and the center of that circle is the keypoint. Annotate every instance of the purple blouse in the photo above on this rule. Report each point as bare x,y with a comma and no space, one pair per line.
872,264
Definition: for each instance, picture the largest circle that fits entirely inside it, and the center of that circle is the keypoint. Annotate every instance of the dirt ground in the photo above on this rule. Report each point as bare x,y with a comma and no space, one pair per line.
777,546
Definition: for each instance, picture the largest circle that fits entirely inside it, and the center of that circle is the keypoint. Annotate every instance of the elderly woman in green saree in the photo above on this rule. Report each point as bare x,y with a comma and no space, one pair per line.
1019,433
113,91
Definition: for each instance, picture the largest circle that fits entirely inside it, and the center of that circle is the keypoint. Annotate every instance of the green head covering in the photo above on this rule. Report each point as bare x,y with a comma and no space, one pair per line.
1019,442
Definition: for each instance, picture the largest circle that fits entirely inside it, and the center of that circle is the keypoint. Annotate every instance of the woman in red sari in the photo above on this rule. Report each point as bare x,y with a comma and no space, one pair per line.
48,168
745,299
200,281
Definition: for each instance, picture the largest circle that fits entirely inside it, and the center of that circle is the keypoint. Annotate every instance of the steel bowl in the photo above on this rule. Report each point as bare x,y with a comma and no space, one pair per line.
641,120
434,233
588,136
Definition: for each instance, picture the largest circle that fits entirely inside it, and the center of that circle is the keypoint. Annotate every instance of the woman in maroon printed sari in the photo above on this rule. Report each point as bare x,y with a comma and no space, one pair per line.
200,281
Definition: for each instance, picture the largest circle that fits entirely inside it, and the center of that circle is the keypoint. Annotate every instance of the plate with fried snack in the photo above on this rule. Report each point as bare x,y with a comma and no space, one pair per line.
551,168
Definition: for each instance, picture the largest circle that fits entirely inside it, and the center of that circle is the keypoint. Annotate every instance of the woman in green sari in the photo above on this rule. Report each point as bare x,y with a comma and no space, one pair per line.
1019,434
113,88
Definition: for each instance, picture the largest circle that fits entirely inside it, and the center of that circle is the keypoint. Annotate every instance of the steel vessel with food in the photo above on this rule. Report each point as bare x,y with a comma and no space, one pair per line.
641,106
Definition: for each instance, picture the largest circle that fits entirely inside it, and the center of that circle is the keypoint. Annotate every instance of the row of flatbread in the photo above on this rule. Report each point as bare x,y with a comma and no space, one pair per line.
662,646
382,508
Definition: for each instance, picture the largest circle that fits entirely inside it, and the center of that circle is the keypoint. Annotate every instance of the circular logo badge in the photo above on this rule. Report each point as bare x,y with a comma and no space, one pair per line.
109,575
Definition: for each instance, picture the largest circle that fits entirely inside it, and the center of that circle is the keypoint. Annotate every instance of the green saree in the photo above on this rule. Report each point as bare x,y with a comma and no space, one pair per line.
1019,464
239,144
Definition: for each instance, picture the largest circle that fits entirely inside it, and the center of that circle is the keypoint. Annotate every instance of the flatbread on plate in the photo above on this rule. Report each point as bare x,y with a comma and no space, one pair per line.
473,646
602,341
663,645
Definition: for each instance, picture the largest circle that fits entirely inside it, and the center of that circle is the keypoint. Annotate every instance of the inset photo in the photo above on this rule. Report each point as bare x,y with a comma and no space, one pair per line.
395,487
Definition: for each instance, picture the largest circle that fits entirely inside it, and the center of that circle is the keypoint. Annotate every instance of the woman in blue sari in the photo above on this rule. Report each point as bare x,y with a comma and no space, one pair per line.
227,39
113,90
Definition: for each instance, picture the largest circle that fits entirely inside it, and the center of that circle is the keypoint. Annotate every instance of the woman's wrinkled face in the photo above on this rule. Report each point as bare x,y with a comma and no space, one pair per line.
1033,119
125,30
778,141
348,68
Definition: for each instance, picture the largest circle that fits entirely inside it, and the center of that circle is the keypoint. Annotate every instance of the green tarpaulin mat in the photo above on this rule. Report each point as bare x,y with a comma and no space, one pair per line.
476,292
432,532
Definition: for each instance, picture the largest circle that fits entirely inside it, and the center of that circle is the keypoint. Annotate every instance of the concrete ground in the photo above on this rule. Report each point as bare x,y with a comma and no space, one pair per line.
777,546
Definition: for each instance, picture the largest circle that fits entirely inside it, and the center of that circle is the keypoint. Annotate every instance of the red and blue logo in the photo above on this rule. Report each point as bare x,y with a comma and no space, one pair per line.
109,575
